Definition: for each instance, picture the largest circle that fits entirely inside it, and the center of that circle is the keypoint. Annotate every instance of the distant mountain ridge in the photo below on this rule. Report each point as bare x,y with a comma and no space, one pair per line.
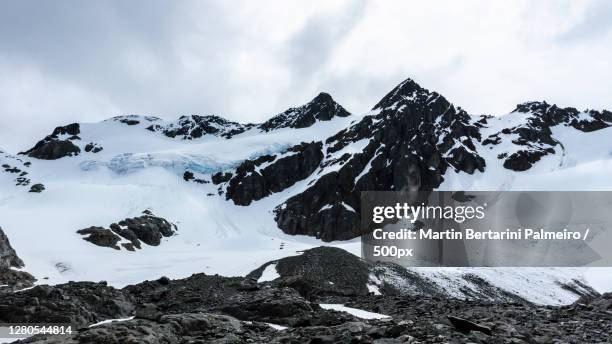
64,140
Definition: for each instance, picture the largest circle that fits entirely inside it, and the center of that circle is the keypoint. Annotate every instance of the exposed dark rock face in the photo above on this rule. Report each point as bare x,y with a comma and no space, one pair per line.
80,304
53,147
101,236
321,108
331,272
194,127
72,130
93,147
414,320
256,179
37,188
215,309
535,136
276,305
413,137
188,175
135,119
130,121
467,326
148,229
191,176
321,271
221,177
239,297
8,257
11,279
14,280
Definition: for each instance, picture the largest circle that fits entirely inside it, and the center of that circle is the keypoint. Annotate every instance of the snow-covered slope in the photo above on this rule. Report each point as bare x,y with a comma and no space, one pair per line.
96,174
138,170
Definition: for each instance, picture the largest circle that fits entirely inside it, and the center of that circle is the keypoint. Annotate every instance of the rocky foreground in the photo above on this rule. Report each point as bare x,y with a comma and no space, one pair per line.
216,309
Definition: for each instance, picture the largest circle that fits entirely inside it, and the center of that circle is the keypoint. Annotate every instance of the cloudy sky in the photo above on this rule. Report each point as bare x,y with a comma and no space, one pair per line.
64,61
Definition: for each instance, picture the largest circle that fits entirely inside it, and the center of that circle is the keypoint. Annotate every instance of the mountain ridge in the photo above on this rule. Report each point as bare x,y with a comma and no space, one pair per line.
271,193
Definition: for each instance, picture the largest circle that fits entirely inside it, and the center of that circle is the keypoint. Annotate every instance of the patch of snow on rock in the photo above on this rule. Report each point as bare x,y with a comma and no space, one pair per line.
359,313
269,274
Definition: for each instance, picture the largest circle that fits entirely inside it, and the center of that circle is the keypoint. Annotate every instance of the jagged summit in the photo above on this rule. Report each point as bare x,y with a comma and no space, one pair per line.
531,106
323,97
67,140
408,143
407,91
322,108
196,126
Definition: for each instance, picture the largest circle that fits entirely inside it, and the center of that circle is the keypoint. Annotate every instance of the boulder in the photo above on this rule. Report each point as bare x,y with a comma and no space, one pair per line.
148,229
37,188
53,149
253,180
57,145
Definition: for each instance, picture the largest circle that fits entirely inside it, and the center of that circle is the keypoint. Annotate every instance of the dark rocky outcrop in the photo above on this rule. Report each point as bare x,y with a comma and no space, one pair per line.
413,137
129,121
148,229
194,127
8,256
101,237
410,141
37,188
191,176
221,177
256,179
53,149
188,175
321,108
93,148
534,135
467,326
76,303
321,271
10,278
57,145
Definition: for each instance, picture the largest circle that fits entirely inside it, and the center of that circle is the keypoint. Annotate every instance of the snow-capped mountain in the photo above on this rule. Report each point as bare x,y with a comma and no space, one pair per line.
241,195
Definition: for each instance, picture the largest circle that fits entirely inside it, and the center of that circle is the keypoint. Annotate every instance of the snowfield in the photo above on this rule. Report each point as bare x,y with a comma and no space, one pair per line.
214,235
359,313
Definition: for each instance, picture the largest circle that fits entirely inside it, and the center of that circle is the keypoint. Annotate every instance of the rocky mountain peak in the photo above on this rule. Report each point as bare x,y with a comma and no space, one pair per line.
413,137
323,97
407,91
532,106
321,108
195,126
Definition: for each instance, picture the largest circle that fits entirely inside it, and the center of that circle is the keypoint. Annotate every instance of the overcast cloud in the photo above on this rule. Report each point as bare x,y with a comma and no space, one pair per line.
64,61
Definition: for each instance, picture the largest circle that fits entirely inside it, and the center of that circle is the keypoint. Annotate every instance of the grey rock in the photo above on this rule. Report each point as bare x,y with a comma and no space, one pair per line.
148,229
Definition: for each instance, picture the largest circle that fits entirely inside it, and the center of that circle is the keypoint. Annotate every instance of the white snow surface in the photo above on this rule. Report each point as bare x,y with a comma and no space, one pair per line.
359,313
108,321
277,327
269,274
139,169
